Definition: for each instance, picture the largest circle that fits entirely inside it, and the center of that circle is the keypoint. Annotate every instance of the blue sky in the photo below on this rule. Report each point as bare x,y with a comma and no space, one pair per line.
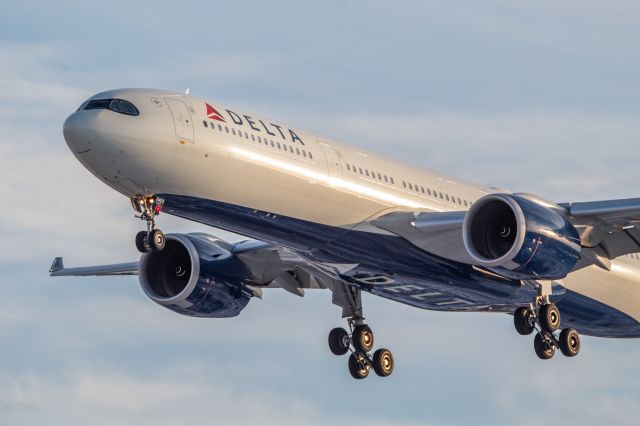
540,97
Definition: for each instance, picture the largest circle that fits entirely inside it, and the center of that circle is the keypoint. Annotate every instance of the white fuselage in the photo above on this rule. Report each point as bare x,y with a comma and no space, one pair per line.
179,145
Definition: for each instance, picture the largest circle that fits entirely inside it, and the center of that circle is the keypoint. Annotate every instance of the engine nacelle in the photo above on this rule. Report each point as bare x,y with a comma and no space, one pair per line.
521,236
196,275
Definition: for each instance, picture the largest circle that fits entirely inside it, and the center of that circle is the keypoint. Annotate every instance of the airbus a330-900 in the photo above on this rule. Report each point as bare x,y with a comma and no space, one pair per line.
324,215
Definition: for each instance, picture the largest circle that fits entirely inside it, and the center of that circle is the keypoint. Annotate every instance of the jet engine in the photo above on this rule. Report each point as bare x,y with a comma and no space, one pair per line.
196,275
521,236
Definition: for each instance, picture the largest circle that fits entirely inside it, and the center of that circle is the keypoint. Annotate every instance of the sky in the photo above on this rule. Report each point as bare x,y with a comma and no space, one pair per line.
542,97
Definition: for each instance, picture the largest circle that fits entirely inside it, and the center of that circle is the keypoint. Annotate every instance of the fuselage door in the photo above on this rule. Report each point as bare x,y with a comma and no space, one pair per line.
181,119
333,159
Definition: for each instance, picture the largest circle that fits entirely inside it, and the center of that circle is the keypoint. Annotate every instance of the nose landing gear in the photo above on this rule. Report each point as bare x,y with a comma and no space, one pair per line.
148,208
545,317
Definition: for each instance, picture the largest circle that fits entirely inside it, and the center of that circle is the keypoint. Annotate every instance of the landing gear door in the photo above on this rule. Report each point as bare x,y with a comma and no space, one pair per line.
333,159
181,119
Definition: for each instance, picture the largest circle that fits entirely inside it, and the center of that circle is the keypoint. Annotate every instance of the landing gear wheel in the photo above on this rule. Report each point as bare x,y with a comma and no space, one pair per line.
543,348
358,369
383,362
141,242
549,317
156,240
524,320
569,342
339,341
362,338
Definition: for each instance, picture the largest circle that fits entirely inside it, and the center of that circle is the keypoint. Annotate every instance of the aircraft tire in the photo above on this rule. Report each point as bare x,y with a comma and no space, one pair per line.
523,319
362,338
141,242
157,240
549,317
339,341
357,369
383,362
543,350
569,342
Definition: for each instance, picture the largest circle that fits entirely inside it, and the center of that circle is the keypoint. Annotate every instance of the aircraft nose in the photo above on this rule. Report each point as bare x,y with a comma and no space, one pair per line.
78,132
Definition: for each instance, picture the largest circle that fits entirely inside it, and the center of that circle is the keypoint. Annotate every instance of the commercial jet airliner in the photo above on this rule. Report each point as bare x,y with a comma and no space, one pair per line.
325,215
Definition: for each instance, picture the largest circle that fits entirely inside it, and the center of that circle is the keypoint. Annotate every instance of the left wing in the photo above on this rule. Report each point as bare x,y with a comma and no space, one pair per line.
58,269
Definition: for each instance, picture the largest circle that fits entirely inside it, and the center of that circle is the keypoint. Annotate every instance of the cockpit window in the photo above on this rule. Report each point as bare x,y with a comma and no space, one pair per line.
116,105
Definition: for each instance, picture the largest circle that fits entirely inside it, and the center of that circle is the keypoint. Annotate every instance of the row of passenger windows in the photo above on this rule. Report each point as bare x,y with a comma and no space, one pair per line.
259,139
635,256
412,187
350,167
365,172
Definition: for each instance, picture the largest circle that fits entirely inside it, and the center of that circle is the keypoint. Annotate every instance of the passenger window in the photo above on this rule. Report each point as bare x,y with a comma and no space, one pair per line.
226,128
220,127
404,184
366,172
205,123
422,189
465,203
410,187
278,145
440,194
379,176
233,131
304,153
348,167
298,151
310,155
386,179
360,169
391,179
272,145
253,138
446,197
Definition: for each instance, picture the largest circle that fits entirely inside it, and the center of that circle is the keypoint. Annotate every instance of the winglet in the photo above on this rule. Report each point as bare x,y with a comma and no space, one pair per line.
57,265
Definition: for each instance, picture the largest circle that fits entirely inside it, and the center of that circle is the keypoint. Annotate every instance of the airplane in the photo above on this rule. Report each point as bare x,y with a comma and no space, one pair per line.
320,214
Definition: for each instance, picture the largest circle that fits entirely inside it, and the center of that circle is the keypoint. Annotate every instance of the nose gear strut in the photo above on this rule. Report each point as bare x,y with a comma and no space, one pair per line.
148,207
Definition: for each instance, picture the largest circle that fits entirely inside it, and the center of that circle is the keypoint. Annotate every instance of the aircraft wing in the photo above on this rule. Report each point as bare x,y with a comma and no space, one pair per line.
608,229
271,266
58,269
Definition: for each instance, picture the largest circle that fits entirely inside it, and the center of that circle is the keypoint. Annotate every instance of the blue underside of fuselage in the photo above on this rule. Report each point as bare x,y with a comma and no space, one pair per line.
391,267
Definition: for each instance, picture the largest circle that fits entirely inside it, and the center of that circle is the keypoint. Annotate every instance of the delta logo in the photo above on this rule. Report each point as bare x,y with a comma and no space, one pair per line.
213,113
255,124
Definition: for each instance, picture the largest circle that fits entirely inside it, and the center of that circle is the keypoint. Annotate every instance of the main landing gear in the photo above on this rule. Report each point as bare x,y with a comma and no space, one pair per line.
544,317
359,339
148,208
360,342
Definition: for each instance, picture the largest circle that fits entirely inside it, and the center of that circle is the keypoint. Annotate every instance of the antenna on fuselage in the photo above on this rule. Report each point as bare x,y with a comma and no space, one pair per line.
187,91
